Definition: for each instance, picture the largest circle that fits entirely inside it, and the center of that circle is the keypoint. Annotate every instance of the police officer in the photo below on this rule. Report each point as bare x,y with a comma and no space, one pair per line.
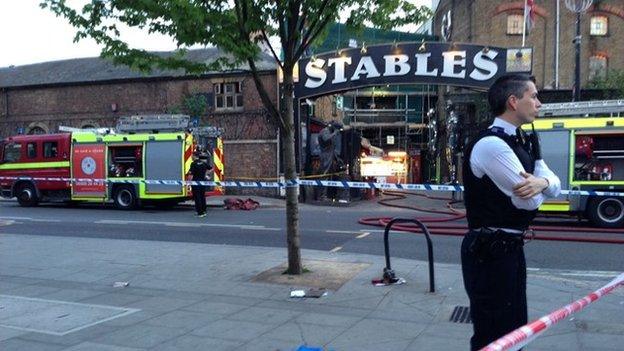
505,181
199,170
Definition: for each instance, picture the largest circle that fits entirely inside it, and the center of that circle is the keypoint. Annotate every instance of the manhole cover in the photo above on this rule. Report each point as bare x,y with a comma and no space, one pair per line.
461,314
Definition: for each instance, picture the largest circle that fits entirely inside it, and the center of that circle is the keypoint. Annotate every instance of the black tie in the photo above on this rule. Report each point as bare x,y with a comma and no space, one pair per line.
521,136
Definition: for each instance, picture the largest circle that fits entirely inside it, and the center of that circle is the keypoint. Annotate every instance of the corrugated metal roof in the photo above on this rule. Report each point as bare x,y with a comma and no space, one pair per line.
96,69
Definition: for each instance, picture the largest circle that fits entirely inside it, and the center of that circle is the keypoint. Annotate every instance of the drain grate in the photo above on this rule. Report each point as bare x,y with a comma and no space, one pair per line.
461,314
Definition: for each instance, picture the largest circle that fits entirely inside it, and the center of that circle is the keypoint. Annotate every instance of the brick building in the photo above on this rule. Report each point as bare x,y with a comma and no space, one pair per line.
500,22
92,92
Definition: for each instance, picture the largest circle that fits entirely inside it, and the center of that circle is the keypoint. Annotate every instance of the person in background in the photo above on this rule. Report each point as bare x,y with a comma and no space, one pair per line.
199,170
505,181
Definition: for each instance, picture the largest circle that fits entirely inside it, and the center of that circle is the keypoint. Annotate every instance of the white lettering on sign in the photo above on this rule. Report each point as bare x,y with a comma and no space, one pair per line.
453,59
365,66
422,61
483,64
339,63
317,75
396,61
456,64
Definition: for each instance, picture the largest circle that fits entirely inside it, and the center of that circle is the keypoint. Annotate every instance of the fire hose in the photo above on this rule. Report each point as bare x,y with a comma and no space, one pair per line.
459,230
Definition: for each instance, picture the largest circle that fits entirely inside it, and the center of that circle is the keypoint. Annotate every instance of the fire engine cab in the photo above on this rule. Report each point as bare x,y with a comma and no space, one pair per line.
583,143
145,159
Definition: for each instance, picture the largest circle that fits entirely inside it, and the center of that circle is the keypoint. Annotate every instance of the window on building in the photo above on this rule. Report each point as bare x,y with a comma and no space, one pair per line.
12,152
599,25
31,150
597,66
514,24
228,96
50,149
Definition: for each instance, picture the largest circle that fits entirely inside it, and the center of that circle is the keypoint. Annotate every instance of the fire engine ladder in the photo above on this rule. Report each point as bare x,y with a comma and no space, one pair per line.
583,108
152,123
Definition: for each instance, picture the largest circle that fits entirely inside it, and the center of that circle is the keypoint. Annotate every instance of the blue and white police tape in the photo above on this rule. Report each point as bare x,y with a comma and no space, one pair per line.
295,183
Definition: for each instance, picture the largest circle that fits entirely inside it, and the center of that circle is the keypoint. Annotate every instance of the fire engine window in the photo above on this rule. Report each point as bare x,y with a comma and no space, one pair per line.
31,150
12,152
50,149
125,161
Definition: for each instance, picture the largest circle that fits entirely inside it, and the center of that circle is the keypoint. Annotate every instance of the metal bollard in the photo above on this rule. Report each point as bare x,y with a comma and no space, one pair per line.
388,272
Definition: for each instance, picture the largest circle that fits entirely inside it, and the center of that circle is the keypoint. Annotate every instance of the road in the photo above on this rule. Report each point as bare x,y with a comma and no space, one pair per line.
322,228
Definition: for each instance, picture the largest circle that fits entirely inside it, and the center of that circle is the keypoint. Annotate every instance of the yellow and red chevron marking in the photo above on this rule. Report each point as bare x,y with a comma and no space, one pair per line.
217,159
188,153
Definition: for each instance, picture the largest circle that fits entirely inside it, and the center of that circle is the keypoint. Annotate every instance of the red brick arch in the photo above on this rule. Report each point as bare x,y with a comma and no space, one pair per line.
518,6
607,9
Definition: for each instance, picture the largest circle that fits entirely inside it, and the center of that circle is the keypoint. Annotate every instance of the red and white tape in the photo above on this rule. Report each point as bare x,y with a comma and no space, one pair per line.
525,334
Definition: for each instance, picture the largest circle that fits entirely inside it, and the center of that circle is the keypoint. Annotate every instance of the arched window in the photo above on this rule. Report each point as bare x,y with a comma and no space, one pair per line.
36,130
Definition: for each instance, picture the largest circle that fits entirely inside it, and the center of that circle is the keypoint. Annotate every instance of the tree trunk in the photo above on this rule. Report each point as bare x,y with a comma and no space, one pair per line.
290,161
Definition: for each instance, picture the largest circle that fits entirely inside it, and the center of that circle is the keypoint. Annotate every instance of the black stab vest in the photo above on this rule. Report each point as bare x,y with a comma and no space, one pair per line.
486,205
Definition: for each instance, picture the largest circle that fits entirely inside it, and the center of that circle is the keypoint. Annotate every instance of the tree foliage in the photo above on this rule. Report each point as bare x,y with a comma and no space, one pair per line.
613,80
236,27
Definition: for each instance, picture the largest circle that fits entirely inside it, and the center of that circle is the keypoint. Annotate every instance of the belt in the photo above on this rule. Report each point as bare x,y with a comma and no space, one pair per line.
513,234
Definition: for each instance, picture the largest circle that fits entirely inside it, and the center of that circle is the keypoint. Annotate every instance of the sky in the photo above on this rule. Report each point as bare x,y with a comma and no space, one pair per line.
29,34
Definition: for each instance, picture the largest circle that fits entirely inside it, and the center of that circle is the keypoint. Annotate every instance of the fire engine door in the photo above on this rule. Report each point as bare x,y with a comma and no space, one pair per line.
88,170
163,161
555,151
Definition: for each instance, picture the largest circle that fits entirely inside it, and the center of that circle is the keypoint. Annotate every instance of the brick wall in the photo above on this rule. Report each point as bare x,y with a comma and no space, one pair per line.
485,22
102,103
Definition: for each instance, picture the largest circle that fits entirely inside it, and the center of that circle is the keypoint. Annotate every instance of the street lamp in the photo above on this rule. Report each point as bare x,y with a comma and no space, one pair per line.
578,7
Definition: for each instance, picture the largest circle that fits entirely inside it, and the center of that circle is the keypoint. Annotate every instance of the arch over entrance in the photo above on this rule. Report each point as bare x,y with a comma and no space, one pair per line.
395,130
465,65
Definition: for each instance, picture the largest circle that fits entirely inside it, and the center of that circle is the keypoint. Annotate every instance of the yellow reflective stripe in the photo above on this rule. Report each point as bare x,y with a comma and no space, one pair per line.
597,182
34,165
559,207
542,123
89,137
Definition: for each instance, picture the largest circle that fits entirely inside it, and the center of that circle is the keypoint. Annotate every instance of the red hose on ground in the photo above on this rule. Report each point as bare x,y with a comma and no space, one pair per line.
460,230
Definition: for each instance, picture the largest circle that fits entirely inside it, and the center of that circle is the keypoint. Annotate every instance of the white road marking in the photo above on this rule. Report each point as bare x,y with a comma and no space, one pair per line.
189,224
336,249
45,220
17,218
363,235
341,231
5,222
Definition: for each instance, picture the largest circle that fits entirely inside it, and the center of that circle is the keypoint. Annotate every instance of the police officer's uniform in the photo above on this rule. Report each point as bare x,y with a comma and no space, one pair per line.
493,262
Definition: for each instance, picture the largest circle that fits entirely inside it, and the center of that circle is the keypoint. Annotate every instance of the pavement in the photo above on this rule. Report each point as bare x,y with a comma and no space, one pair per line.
62,293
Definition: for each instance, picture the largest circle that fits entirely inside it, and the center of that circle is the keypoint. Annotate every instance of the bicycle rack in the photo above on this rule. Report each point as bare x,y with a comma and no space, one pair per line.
388,273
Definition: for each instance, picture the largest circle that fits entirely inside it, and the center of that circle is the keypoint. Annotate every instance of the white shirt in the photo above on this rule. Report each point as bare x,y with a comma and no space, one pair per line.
492,156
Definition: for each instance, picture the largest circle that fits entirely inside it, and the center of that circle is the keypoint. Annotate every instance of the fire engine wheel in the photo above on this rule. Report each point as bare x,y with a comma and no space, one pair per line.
606,211
124,198
27,195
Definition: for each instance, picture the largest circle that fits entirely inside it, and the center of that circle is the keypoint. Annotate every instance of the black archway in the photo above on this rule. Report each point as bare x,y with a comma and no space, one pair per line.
426,63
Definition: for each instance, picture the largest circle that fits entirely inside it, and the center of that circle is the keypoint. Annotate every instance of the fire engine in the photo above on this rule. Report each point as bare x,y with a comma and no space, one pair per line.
144,159
583,143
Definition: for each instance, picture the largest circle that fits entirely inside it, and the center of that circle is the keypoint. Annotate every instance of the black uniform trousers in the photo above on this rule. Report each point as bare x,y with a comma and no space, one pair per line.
494,271
199,197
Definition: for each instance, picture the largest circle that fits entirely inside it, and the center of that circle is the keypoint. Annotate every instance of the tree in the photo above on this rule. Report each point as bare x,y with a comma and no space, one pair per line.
613,80
236,27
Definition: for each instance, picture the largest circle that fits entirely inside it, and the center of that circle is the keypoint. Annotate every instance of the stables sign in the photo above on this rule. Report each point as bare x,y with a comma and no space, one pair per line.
409,63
